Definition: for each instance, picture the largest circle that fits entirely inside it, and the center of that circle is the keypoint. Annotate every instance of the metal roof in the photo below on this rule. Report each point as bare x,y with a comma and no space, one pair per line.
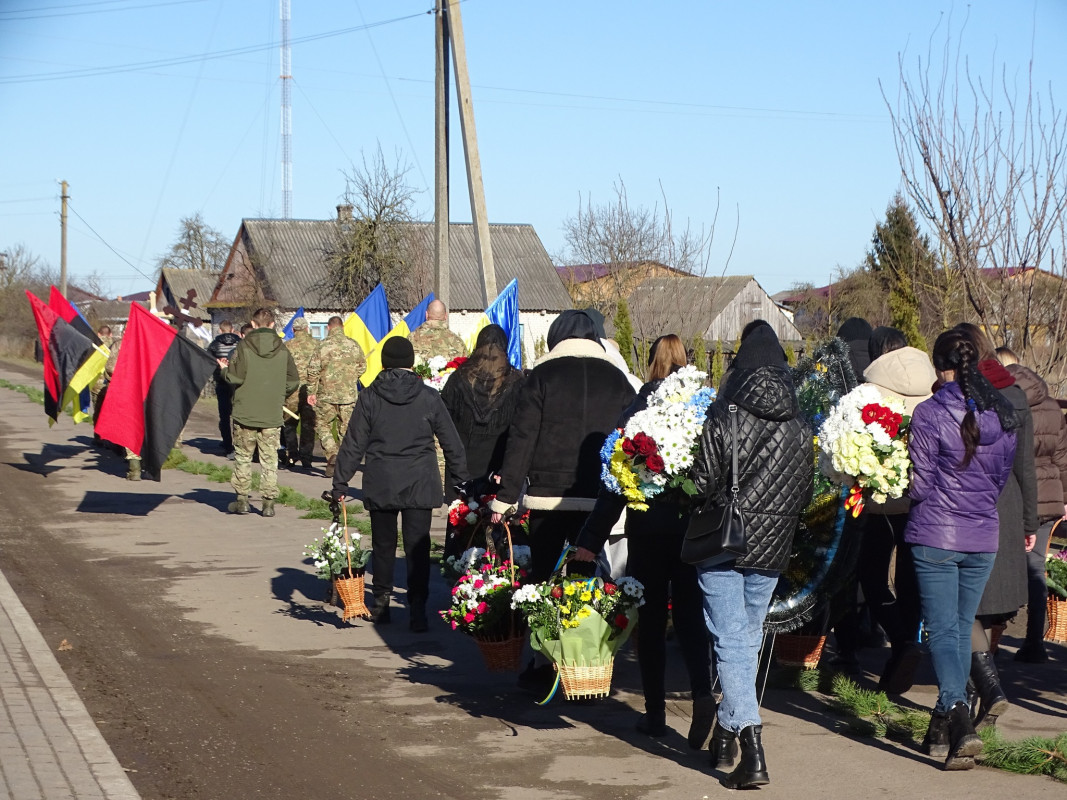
289,254
175,284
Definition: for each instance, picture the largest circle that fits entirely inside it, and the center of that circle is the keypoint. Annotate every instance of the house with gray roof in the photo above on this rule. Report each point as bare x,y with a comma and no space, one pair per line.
716,309
282,263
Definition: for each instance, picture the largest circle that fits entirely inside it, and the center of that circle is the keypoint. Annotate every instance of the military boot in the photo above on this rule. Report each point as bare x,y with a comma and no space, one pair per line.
329,465
239,506
268,508
133,469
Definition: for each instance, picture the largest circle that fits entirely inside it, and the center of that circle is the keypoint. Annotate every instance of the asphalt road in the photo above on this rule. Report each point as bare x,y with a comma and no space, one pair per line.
202,650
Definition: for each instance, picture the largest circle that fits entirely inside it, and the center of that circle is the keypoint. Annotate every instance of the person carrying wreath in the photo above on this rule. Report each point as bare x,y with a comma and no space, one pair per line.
654,541
394,426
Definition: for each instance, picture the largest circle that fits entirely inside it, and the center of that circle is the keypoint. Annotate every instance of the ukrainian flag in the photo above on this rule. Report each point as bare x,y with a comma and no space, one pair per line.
287,332
504,311
370,322
417,315
374,357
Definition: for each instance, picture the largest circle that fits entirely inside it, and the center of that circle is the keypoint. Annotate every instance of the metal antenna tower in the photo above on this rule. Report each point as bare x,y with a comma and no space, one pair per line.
287,117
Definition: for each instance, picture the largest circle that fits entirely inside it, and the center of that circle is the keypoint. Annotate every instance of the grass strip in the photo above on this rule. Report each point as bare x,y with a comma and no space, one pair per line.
36,395
872,713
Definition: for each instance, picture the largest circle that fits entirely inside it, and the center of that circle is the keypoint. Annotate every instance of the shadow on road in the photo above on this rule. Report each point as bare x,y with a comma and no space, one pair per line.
210,497
130,503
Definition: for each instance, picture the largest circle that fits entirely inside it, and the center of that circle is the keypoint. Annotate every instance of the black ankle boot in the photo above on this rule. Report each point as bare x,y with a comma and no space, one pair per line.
379,615
652,723
723,748
992,700
752,770
704,709
964,743
935,743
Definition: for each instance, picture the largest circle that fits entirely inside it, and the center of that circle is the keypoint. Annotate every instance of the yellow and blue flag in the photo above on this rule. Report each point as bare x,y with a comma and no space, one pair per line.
370,323
287,331
374,357
504,311
417,315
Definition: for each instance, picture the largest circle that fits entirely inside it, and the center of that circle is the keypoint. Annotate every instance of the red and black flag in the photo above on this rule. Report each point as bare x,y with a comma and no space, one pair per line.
71,315
157,381
72,362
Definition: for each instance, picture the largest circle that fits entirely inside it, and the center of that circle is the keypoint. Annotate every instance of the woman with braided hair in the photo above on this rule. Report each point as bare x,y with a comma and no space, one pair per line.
962,444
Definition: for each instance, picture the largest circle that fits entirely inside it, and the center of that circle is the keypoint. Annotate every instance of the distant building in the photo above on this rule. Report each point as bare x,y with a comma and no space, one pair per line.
282,263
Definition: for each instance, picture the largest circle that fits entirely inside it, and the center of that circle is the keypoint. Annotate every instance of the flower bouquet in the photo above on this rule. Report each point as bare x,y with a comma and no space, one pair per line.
333,556
466,516
481,607
1056,579
579,624
655,450
863,443
435,370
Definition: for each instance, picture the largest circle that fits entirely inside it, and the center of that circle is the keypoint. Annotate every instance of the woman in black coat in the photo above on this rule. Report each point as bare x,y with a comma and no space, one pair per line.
568,404
481,397
393,426
654,541
775,466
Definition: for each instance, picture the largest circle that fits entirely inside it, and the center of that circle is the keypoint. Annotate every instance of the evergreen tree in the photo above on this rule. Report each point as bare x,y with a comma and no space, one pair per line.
790,354
700,353
898,254
718,365
624,333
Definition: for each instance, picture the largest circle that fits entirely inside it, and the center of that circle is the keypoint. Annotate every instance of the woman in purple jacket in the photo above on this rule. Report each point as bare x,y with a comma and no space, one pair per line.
962,444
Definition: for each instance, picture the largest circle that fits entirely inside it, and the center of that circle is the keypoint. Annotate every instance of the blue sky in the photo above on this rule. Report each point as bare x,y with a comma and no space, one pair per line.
774,106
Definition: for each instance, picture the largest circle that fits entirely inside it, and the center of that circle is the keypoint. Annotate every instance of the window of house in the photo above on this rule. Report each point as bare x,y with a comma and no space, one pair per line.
318,329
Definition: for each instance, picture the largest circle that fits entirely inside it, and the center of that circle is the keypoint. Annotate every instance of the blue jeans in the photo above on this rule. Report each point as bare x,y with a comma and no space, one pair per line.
950,588
735,605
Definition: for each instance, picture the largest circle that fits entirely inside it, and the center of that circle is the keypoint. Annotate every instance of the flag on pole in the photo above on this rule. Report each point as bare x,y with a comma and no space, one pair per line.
371,321
504,311
287,331
73,317
417,315
374,357
157,381
72,362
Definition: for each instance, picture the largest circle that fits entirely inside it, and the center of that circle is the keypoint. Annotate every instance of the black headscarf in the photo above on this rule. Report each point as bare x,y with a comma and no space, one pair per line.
856,332
484,378
572,324
760,348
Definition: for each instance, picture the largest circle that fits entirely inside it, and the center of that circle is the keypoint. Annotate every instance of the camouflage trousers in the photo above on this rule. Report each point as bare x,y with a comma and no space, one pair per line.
299,444
325,414
245,441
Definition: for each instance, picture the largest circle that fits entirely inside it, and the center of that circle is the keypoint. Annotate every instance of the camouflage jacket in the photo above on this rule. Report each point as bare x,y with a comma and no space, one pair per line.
433,338
303,348
334,370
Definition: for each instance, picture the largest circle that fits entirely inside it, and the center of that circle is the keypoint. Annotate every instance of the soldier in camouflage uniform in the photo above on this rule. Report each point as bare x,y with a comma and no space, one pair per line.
96,390
302,347
332,378
433,338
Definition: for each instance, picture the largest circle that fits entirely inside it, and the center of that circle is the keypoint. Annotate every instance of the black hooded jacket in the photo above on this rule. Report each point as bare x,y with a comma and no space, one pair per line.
775,461
393,426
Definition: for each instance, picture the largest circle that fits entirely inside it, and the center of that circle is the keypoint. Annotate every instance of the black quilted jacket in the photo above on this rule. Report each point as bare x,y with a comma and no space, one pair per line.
775,461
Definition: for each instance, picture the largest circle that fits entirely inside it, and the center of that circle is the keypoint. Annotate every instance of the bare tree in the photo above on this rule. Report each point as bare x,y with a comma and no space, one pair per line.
982,158
373,241
198,246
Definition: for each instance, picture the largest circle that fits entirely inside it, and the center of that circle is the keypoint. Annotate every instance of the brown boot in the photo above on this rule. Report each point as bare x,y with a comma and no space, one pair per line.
329,465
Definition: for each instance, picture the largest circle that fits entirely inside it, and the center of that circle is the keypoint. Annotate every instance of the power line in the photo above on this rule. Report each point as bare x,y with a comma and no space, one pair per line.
104,242
90,72
8,18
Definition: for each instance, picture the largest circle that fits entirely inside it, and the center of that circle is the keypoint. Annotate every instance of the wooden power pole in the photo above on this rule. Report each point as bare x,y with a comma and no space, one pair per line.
480,219
64,197
440,183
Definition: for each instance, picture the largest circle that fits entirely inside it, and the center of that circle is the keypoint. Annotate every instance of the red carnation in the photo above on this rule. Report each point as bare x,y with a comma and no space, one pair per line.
456,362
628,447
654,463
870,413
557,592
609,588
621,621
644,444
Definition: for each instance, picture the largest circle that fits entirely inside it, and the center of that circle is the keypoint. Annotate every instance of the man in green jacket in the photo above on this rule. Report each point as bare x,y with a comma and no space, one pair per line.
264,374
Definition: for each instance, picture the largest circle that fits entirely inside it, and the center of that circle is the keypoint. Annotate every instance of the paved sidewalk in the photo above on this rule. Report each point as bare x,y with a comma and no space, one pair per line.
50,748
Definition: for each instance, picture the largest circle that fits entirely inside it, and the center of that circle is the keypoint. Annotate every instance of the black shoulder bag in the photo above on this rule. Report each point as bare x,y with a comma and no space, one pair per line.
716,532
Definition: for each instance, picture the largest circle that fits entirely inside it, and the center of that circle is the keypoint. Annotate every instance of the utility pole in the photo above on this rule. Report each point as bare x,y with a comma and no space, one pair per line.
64,197
470,151
440,183
287,117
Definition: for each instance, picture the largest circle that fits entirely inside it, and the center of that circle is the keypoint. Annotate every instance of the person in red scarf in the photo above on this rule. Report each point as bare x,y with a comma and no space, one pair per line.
1006,591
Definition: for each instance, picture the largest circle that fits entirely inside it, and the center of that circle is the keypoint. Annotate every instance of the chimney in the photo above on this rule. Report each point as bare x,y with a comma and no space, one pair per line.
344,213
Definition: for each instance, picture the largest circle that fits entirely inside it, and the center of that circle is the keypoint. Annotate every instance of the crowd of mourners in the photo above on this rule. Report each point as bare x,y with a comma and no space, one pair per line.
941,569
